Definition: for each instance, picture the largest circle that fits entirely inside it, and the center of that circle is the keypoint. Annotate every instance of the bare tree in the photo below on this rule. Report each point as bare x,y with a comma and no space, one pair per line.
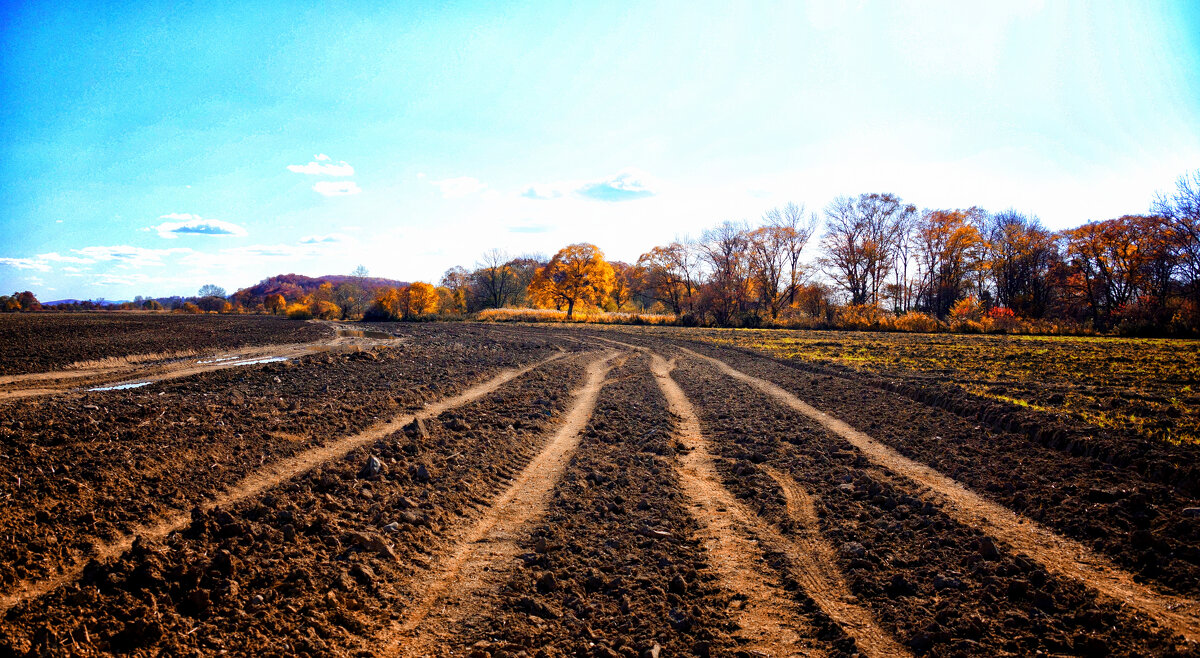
860,240
494,278
797,230
1182,214
724,250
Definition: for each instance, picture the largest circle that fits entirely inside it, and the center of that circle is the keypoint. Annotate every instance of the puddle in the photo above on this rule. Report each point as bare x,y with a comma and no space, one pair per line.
270,359
121,387
220,359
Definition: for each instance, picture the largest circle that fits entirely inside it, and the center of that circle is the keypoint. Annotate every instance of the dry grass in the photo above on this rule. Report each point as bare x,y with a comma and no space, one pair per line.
129,360
582,317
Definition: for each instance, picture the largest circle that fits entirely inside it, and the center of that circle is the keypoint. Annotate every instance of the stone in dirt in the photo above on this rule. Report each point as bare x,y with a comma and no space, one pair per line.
987,548
417,429
1191,512
372,468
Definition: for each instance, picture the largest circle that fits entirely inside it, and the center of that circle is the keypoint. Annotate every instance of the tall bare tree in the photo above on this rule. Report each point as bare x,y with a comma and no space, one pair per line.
494,279
860,240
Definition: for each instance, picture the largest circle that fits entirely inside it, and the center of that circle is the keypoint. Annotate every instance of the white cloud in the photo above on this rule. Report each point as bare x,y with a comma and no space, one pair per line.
337,188
626,185
188,224
26,264
323,169
457,188
320,156
131,256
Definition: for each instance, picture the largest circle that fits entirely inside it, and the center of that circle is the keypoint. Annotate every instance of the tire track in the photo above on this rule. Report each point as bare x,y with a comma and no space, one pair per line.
770,621
818,573
259,481
482,552
1057,554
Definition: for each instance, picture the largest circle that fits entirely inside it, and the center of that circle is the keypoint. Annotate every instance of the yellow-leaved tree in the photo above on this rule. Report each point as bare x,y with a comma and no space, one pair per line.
420,299
578,274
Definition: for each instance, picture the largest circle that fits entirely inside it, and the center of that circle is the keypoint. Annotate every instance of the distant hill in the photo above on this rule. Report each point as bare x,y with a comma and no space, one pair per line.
294,286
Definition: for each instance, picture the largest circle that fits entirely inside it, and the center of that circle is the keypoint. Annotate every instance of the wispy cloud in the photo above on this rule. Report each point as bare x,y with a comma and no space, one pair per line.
625,185
332,238
544,191
457,188
26,264
336,188
322,167
188,224
529,228
131,256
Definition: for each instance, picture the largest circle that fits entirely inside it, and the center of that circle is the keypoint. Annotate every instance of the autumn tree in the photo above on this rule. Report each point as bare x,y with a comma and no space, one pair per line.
670,274
1112,262
623,285
457,282
860,241
773,253
275,304
1019,255
576,274
948,248
419,299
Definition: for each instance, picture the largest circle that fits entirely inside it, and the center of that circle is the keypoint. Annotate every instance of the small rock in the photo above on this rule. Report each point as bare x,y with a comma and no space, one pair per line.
677,585
392,527
540,545
547,583
1191,512
853,549
363,574
652,652
406,503
417,429
419,472
946,582
987,548
846,488
372,468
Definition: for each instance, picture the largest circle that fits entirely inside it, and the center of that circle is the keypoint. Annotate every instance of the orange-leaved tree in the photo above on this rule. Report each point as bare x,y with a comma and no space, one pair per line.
275,303
419,299
577,274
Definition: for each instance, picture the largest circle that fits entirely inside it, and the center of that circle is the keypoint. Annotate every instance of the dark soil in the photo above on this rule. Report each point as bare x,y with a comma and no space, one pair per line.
315,566
40,342
1138,522
942,588
78,469
613,569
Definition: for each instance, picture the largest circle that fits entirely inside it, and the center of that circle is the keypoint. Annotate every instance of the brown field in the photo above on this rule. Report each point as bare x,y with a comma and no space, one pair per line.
505,490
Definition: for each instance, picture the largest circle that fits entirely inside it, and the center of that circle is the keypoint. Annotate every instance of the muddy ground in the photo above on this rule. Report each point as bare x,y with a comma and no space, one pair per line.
37,342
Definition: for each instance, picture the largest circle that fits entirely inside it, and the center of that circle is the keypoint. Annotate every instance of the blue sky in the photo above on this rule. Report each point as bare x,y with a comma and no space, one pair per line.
150,149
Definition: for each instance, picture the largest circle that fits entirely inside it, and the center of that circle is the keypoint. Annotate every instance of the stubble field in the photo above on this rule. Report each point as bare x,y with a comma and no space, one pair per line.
461,489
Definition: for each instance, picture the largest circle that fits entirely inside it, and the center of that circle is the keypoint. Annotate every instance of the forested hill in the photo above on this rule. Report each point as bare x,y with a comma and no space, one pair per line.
294,286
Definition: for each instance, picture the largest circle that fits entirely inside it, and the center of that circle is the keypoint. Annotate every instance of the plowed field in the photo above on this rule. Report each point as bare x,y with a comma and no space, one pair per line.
475,490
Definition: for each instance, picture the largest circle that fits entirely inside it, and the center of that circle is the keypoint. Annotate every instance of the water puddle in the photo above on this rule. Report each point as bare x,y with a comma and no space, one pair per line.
220,359
121,387
270,359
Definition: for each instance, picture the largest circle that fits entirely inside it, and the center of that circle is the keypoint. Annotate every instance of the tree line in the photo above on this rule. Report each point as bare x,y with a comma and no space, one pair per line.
878,262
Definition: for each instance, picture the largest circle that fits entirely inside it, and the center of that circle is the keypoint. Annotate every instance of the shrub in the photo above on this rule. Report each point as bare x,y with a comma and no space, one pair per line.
299,311
915,322
189,307
861,317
